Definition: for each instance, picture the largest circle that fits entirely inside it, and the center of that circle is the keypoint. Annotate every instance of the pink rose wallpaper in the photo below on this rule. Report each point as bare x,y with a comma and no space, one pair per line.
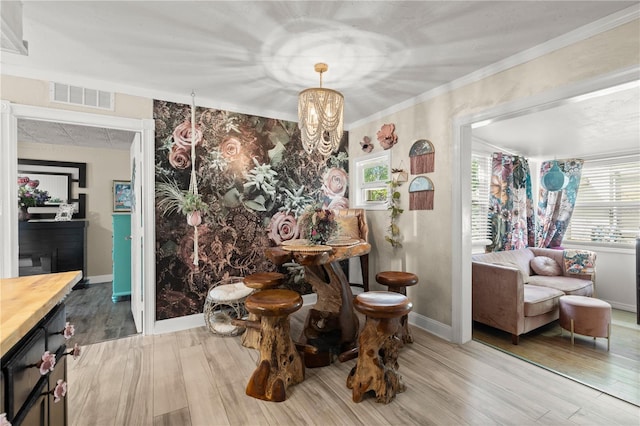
256,181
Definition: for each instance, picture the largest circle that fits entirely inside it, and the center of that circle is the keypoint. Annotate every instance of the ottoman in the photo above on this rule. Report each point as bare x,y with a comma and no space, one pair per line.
587,316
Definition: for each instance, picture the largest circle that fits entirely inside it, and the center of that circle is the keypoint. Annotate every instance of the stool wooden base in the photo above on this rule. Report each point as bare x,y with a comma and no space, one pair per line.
280,364
377,366
398,281
258,281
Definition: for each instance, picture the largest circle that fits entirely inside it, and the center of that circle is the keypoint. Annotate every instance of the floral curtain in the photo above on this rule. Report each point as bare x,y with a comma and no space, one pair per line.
510,203
556,207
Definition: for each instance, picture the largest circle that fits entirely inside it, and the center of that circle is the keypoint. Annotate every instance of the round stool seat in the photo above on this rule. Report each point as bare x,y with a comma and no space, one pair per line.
382,304
274,302
263,280
396,278
591,316
224,303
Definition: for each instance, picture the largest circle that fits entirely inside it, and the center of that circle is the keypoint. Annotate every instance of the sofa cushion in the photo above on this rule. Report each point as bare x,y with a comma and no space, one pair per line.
543,265
567,285
540,300
518,259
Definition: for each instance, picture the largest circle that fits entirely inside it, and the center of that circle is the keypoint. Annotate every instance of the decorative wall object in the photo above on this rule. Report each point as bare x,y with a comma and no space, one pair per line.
423,157
56,177
421,191
366,144
255,179
121,196
386,136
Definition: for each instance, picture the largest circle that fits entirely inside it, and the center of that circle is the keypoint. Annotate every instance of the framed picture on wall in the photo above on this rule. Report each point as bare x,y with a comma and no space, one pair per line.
122,195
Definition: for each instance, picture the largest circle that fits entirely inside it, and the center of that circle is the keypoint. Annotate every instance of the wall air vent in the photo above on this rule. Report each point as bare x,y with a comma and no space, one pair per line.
75,95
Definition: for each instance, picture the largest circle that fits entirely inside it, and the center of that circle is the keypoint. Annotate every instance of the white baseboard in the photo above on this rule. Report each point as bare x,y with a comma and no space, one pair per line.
97,279
622,306
178,324
197,320
432,326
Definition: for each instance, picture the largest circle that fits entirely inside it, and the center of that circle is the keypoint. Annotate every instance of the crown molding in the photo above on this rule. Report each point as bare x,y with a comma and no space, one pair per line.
586,31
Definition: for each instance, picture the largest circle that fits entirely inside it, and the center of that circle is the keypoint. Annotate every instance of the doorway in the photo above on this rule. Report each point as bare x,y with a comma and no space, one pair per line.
11,113
463,132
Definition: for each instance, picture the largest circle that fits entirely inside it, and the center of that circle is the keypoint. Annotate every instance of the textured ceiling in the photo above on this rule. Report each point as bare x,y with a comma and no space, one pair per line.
254,57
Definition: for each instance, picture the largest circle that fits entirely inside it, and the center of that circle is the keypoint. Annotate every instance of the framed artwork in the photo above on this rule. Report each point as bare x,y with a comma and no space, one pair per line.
122,195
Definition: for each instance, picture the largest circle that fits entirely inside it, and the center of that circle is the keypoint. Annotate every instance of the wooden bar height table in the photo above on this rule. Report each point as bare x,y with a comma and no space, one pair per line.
331,326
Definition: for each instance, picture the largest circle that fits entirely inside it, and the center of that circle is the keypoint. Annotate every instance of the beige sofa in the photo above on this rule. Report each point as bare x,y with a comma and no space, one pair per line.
507,294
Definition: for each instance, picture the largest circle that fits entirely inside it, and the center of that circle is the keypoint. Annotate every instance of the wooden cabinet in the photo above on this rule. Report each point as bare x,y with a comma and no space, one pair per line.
26,393
121,256
47,246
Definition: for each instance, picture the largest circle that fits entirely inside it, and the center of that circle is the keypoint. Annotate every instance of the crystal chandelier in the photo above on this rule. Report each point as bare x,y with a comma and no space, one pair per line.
320,117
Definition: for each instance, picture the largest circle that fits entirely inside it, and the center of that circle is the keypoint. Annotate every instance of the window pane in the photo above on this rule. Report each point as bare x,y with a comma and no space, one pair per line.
379,194
376,173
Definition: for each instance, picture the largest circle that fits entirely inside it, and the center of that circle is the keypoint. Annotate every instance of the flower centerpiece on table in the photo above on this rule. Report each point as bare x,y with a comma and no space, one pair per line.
29,195
319,225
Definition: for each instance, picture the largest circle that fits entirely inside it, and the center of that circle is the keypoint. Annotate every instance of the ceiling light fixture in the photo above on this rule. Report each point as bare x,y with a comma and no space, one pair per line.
320,117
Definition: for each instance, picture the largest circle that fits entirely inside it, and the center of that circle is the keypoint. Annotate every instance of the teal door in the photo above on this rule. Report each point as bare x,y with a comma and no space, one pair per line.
121,256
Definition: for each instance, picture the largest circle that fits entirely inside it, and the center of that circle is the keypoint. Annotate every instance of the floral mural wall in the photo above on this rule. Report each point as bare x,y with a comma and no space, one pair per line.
254,182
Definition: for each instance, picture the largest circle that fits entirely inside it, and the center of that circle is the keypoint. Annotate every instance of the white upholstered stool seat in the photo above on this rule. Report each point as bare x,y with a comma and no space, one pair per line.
225,302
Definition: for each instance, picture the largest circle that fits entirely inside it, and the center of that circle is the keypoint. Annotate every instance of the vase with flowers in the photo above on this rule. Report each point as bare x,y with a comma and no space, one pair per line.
319,225
29,195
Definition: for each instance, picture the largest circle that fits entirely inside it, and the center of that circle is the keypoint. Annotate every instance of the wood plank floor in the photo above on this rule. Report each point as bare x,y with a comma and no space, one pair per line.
195,378
95,317
616,371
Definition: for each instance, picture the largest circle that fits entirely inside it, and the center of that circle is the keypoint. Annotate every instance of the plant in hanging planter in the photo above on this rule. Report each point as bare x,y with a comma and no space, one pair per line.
172,199
393,236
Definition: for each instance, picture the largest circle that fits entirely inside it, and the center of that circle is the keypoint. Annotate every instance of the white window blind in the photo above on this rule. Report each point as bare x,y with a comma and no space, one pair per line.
480,180
607,209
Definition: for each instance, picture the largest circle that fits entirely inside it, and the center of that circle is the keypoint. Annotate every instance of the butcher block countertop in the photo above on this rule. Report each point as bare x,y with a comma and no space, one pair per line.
24,301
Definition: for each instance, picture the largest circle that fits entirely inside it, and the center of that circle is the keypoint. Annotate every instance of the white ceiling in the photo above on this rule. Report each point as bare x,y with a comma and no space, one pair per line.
255,56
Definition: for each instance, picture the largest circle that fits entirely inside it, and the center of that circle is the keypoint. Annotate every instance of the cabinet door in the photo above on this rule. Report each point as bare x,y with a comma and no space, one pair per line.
36,415
121,256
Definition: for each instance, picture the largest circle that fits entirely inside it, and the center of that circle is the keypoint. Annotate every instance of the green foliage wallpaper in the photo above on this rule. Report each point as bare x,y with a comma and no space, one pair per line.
254,182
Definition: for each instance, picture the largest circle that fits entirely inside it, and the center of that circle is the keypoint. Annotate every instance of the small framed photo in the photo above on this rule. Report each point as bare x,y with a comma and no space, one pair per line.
122,196
65,212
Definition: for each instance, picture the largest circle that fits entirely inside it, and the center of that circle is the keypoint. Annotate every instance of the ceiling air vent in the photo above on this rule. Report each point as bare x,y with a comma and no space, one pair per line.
75,95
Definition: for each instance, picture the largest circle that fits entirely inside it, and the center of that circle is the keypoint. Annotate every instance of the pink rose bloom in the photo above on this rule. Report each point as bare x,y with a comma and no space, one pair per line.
283,227
338,203
334,183
47,363
183,138
69,331
75,352
33,184
60,390
22,181
179,157
230,147
386,137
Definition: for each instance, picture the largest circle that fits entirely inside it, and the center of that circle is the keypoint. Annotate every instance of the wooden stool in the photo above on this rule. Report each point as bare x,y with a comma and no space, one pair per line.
259,281
280,364
397,282
377,366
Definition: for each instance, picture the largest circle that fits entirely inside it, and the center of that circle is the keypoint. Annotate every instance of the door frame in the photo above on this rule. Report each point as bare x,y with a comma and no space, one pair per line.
9,115
461,248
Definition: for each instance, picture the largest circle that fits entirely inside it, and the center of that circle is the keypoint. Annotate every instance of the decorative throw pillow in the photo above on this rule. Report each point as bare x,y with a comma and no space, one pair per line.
348,227
543,265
